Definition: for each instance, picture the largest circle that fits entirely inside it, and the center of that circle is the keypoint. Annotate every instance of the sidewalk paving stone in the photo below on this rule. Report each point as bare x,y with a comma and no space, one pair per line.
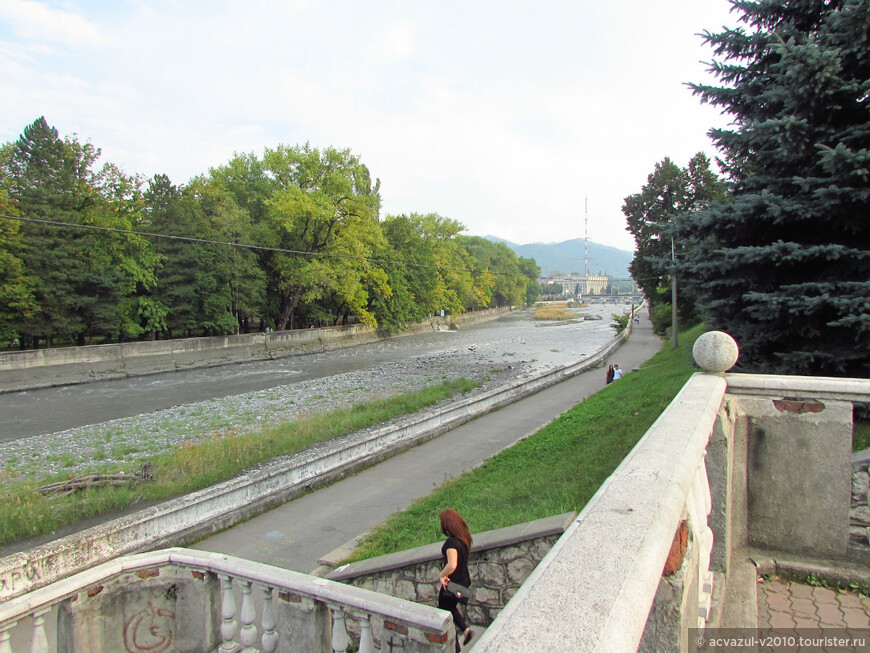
824,595
784,604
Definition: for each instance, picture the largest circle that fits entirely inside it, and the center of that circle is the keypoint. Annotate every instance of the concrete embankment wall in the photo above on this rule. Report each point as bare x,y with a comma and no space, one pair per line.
41,368
201,513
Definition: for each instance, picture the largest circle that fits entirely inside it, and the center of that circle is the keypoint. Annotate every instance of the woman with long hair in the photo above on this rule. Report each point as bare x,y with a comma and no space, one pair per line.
454,553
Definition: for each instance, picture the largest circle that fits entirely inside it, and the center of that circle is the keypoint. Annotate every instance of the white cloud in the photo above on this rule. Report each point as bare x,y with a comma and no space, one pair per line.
36,21
396,41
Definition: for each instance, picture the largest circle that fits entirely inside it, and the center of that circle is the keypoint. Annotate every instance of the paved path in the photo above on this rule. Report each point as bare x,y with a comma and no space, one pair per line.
297,534
786,605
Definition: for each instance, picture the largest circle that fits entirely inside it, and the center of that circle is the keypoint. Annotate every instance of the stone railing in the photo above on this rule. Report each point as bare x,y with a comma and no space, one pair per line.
595,589
736,463
183,600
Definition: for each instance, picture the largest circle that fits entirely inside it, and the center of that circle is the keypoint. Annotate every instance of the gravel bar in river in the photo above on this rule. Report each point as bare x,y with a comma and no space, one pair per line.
492,354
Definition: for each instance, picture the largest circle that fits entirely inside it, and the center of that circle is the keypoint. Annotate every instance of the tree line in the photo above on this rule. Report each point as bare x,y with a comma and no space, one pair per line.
776,252
289,239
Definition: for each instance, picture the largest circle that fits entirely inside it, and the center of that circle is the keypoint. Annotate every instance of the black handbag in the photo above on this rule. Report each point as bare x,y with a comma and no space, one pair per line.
461,592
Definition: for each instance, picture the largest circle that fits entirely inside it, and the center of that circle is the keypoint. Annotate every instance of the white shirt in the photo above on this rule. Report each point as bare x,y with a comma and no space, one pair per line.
617,374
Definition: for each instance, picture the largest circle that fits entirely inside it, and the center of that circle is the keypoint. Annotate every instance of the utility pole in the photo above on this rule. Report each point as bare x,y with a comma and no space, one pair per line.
586,238
674,336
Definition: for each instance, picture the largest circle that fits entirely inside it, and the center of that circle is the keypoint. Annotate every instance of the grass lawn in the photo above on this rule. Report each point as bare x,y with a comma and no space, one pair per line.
556,470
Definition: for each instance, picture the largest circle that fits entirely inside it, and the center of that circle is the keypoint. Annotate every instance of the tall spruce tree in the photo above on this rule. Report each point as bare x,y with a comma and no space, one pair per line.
785,266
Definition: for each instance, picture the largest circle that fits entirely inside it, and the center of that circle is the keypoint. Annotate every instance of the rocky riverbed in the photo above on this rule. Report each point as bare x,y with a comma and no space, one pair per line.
491,355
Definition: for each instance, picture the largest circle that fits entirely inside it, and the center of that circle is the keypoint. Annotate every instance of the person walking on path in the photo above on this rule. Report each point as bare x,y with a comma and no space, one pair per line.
617,373
454,553
608,378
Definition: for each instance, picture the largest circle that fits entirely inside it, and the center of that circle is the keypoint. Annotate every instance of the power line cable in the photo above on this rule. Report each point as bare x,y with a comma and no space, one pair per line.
281,250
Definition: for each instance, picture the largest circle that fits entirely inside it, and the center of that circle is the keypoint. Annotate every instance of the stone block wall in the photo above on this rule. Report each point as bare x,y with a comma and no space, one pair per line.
859,515
500,561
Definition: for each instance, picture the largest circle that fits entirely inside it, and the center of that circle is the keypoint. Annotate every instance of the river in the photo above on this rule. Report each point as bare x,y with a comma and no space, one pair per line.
514,340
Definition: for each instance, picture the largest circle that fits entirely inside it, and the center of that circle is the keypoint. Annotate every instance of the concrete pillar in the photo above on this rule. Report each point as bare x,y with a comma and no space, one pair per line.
799,473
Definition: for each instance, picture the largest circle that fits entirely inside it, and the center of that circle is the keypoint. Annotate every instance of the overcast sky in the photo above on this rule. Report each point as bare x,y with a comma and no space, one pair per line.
503,115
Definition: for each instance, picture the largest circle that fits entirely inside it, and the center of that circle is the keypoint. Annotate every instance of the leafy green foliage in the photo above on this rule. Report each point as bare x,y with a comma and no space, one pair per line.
620,322
84,281
670,192
785,266
16,286
314,250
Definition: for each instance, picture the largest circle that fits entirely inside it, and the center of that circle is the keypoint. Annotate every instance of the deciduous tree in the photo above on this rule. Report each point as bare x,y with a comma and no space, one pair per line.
670,191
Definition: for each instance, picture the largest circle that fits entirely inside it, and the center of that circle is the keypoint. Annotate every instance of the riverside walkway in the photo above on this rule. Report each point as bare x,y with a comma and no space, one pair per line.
299,533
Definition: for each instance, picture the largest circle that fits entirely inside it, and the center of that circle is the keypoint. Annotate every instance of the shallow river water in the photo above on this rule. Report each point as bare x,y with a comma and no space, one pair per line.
189,403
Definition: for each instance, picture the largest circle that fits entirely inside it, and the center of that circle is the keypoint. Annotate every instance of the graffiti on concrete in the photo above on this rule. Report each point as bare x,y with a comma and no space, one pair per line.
396,646
15,580
150,630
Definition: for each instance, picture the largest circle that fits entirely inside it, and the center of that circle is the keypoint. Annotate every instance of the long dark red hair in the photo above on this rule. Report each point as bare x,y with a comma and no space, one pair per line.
453,525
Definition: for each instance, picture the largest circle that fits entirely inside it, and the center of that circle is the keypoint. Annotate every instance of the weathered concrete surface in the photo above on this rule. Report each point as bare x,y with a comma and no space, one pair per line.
171,600
799,467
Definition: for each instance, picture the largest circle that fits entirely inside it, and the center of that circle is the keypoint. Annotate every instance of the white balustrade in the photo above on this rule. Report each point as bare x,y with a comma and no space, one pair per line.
699,503
40,639
238,630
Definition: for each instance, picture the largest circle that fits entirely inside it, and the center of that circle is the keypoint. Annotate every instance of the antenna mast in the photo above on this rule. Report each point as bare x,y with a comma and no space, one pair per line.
586,237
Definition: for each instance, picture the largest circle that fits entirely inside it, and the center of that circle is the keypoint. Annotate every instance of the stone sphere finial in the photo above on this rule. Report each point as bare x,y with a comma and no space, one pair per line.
715,351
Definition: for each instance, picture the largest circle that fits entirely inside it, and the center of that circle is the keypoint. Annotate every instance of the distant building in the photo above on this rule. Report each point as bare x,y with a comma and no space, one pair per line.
582,284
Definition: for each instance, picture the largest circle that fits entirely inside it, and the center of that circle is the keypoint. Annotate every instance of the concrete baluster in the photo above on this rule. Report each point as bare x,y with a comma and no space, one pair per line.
229,626
366,641
248,633
39,643
339,632
270,637
5,646
703,506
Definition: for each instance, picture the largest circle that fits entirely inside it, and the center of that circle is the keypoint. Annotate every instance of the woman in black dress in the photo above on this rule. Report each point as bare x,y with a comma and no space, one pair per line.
454,554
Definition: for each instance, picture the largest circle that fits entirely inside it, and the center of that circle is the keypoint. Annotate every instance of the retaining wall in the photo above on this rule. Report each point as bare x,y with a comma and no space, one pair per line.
40,368
499,562
199,514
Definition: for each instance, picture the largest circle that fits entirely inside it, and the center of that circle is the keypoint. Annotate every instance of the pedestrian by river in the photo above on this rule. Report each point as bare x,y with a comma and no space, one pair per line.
454,554
608,378
617,373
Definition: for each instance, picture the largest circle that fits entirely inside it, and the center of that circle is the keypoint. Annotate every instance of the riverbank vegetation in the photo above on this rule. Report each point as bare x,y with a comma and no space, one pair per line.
290,239
557,469
554,312
26,512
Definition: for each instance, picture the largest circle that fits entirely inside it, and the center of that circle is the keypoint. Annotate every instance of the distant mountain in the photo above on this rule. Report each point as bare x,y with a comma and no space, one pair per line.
567,257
